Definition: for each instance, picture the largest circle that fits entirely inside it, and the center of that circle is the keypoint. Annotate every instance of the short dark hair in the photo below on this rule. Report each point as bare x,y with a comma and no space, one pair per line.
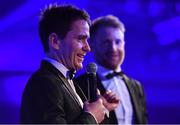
58,19
105,21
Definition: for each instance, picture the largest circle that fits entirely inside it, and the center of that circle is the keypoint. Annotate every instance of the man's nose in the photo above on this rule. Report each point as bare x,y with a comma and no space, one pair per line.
113,46
86,46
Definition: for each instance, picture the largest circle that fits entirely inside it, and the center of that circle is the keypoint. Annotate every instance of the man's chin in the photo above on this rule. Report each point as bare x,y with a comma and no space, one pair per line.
113,66
78,67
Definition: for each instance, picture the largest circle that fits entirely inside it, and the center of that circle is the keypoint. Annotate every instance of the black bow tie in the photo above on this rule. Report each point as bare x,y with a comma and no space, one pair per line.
111,75
71,74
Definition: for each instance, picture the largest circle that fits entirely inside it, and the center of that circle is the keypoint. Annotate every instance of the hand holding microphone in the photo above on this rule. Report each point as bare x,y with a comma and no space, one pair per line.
109,100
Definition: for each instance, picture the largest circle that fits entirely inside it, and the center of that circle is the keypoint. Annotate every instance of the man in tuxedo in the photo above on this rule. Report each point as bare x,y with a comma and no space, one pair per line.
50,95
107,44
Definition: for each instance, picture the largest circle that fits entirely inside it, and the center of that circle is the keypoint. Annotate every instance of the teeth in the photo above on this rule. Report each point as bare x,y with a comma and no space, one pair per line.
82,55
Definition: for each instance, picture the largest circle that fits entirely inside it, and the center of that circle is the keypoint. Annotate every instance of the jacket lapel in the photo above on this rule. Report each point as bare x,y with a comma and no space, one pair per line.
69,89
133,94
80,92
112,119
50,67
100,85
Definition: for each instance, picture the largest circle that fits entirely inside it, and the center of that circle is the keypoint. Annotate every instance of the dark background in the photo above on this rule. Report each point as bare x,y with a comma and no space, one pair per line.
152,50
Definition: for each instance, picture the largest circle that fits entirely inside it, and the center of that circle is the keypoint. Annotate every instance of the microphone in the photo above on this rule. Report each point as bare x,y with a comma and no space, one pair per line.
91,69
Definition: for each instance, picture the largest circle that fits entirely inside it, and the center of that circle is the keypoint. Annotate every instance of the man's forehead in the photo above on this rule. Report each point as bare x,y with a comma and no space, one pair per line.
80,28
109,28
110,31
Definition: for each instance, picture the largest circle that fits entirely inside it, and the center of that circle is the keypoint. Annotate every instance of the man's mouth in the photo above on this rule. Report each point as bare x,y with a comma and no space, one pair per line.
81,56
113,56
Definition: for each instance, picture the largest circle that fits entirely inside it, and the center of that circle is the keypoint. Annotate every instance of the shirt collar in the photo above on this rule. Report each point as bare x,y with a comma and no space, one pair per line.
102,71
58,65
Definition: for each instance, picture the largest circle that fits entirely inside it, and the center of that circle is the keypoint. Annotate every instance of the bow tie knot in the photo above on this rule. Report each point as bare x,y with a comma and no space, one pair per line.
111,75
71,74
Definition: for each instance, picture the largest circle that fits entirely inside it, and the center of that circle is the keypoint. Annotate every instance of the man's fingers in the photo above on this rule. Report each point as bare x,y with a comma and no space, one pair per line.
111,97
109,94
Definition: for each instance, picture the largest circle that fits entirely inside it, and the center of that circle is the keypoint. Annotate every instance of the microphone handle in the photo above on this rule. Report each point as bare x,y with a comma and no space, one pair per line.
92,81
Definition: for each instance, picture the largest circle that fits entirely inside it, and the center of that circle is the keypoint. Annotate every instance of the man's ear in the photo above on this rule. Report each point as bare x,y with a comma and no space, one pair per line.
54,41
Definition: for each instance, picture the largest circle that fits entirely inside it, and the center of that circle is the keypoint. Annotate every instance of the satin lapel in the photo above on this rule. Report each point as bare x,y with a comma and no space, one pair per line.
132,93
100,85
69,89
80,92
112,119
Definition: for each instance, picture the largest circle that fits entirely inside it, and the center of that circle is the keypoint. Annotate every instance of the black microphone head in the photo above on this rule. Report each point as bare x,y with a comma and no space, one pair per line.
91,68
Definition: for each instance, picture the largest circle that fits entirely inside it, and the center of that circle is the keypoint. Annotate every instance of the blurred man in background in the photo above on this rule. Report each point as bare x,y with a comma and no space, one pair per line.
108,46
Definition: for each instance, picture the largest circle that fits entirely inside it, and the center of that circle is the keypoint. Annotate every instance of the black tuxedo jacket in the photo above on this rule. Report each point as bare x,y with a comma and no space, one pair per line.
136,94
48,98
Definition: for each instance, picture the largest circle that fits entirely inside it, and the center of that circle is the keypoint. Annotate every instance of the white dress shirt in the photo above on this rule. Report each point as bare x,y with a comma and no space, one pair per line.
124,112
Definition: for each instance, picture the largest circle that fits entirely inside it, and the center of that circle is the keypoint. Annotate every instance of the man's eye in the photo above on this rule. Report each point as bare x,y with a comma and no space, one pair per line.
81,38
